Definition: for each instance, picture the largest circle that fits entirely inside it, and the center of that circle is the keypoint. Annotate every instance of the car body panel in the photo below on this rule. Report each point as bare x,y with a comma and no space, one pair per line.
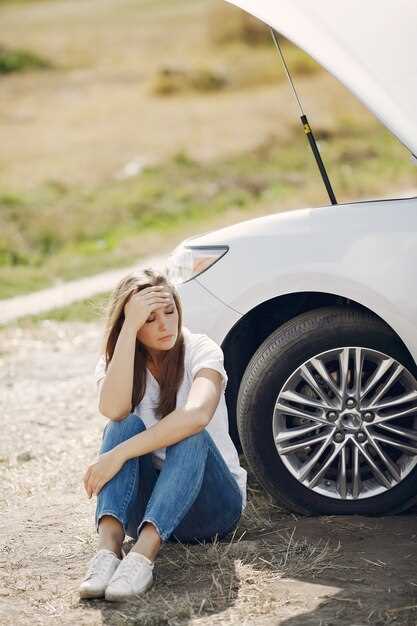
366,252
204,313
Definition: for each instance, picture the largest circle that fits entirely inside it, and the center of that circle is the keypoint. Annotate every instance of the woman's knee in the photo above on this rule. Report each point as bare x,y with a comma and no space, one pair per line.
116,432
197,441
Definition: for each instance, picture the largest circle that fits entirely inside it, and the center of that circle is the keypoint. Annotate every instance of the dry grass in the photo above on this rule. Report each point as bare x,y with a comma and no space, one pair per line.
275,568
226,25
234,578
47,535
174,80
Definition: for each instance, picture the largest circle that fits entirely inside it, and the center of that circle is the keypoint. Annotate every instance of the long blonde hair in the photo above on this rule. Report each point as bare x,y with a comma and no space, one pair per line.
172,362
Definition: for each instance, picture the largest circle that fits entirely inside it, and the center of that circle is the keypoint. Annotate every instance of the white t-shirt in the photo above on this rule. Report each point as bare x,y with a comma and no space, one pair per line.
200,352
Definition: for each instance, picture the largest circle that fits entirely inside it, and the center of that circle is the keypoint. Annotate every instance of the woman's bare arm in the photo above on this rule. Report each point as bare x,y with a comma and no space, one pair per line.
182,422
116,389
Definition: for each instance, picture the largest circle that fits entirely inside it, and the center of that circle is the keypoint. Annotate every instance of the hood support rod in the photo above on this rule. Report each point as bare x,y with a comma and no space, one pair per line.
306,127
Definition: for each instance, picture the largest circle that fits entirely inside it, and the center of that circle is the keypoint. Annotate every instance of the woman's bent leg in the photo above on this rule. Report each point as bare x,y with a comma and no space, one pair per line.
119,497
196,495
217,508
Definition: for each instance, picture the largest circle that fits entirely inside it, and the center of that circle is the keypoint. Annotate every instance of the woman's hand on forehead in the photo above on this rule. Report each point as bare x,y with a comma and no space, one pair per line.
143,302
170,303
163,290
158,290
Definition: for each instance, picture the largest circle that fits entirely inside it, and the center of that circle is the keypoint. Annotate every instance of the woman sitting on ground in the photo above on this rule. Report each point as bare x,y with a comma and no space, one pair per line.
167,468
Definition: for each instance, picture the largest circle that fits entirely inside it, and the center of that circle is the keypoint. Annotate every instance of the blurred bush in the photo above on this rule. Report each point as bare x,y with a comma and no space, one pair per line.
227,24
18,60
172,80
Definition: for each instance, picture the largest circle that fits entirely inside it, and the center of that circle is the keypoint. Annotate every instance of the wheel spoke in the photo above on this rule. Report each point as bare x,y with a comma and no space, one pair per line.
313,482
309,378
397,371
307,467
386,418
290,410
341,479
296,447
296,397
382,368
408,397
293,433
344,371
357,383
374,467
356,483
399,430
326,376
396,444
390,465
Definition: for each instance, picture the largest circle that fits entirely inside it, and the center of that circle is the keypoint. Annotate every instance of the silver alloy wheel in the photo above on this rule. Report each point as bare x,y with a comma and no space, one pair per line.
345,423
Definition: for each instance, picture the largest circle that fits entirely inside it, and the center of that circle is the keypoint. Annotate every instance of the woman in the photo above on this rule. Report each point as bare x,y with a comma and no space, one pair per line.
167,467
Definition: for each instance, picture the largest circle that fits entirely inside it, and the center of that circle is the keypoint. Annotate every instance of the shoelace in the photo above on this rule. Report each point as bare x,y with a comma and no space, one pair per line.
125,573
100,565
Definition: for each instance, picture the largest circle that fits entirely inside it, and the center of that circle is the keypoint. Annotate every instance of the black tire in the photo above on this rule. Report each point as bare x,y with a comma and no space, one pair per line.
275,360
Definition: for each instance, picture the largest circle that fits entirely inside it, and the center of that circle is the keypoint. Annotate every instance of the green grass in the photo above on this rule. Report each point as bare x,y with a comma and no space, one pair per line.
171,80
18,60
59,232
89,310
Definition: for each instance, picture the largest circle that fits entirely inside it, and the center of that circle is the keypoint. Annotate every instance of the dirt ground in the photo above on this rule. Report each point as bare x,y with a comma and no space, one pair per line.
277,568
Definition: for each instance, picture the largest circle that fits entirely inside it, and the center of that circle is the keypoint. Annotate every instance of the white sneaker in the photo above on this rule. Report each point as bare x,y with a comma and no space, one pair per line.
100,570
133,577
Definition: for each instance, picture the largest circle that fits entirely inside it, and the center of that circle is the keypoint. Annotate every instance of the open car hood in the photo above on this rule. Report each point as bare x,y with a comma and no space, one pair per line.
371,47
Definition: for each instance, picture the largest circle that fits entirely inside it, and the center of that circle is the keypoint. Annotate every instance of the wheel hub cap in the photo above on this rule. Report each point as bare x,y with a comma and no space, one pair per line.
351,422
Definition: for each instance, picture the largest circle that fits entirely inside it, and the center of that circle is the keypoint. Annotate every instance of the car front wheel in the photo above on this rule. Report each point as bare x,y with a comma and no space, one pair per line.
327,415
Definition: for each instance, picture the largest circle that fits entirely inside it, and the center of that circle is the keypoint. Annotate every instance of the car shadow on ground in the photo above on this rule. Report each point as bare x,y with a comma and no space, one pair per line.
373,580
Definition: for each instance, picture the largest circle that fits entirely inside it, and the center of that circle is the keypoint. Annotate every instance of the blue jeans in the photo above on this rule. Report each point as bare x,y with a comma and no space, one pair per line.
194,494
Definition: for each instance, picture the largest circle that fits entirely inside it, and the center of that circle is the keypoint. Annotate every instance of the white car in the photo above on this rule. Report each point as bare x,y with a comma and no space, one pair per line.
316,309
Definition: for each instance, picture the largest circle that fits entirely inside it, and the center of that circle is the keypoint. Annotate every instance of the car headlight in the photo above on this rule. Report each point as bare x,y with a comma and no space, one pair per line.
187,261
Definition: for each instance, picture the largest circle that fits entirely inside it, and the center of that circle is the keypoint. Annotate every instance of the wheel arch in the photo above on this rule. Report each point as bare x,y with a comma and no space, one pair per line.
245,337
